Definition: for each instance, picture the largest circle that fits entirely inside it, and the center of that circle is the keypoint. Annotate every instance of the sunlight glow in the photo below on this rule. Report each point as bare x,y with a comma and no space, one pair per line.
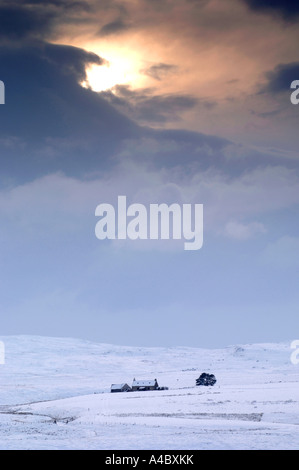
118,71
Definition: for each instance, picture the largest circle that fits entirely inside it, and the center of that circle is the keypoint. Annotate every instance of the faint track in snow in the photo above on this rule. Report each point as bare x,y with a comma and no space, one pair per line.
53,419
255,417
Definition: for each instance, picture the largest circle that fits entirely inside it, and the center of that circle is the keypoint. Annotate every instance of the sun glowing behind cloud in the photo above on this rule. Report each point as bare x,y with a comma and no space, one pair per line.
118,70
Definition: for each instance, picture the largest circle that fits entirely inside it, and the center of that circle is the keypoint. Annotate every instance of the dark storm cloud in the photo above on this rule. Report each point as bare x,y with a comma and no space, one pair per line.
287,9
146,106
67,4
114,27
162,4
34,19
280,79
18,22
159,71
49,122
163,108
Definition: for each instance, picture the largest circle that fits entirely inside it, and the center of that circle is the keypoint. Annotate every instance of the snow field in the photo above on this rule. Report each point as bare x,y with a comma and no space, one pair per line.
55,394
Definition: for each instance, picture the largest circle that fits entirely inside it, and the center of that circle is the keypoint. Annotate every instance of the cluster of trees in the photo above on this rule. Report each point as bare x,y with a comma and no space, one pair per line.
206,379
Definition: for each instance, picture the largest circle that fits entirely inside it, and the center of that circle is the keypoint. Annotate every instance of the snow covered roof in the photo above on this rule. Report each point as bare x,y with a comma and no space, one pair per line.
117,386
144,383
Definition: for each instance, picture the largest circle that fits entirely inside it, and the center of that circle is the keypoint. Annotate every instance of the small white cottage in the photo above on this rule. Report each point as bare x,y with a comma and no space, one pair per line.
116,388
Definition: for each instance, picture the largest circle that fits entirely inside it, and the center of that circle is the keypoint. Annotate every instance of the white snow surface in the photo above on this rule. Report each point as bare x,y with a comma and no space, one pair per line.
55,394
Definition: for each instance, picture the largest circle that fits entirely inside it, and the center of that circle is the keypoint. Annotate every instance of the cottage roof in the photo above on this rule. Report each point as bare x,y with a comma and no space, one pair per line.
117,386
144,383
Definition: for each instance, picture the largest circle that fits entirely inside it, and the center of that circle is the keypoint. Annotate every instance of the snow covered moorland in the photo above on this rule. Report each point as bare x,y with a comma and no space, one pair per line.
55,394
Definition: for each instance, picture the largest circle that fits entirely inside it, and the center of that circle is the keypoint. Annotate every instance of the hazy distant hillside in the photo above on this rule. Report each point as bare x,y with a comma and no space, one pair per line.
40,368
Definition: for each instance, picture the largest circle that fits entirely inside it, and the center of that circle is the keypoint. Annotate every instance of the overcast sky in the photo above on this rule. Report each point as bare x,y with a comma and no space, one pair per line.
164,101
